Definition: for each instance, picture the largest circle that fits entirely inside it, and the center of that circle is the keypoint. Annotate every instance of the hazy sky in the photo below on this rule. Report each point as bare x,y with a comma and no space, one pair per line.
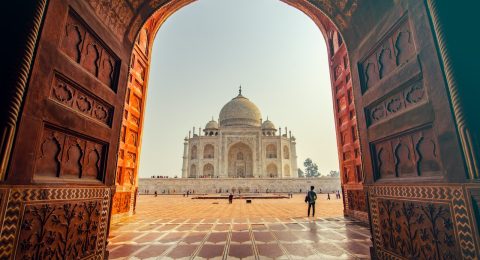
203,52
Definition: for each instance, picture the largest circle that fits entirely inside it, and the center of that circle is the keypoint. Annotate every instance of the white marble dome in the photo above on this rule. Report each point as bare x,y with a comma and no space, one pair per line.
212,124
240,112
267,124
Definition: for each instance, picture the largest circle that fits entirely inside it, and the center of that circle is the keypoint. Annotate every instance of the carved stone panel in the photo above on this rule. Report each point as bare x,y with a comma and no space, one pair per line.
421,222
63,155
116,15
59,230
396,103
396,49
418,230
72,96
54,223
83,47
121,202
356,200
407,155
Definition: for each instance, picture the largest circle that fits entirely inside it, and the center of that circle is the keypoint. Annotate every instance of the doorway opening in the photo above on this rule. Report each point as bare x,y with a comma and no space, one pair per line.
349,154
344,110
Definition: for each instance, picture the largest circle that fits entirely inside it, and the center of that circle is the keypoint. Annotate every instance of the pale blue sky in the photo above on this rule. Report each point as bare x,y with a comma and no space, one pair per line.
204,51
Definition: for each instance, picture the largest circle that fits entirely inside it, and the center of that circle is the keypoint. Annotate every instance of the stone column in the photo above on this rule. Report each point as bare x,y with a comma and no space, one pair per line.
185,159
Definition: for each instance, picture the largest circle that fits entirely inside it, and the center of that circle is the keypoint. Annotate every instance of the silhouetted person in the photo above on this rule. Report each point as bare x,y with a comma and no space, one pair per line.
155,193
230,198
328,196
310,199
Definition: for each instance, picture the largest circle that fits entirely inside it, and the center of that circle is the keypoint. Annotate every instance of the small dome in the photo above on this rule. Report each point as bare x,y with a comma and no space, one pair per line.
211,125
268,125
240,112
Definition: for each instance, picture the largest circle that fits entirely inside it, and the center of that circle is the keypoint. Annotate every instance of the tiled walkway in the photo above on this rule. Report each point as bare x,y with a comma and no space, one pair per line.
173,227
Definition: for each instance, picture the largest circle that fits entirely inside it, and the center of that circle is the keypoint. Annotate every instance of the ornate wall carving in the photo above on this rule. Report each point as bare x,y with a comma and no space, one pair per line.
396,49
121,202
356,200
76,224
406,155
116,15
389,106
60,223
82,46
76,98
62,155
406,222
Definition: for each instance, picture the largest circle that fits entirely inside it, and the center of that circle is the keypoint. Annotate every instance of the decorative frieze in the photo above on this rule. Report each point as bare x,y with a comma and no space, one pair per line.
72,96
396,103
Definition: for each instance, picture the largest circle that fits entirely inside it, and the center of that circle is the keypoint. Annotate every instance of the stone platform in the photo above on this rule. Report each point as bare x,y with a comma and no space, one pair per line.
251,185
174,227
241,196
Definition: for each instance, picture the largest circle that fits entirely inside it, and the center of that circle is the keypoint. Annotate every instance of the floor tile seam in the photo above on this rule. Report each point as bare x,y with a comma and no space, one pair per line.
134,253
350,239
285,251
144,244
200,246
354,231
172,246
227,245
254,245
343,250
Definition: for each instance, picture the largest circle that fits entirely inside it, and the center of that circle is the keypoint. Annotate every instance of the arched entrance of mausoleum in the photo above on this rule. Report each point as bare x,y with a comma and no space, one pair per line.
80,93
240,161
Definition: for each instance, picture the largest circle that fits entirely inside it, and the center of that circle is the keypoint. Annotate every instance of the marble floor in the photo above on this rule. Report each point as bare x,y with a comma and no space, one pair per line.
174,227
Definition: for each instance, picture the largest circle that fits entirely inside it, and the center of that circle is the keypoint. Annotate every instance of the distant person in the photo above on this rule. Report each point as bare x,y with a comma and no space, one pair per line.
156,194
310,199
338,195
328,196
230,198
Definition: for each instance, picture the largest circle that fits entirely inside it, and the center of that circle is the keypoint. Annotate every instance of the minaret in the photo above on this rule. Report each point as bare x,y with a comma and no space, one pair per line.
293,156
185,158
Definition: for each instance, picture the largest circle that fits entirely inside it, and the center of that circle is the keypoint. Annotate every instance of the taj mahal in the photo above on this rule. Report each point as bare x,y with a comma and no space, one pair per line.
239,145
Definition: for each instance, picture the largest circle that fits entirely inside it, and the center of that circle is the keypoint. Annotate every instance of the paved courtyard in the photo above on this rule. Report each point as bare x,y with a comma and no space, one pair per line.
174,227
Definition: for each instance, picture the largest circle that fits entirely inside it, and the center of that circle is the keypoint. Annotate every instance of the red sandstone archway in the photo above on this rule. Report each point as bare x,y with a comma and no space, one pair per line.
344,109
393,92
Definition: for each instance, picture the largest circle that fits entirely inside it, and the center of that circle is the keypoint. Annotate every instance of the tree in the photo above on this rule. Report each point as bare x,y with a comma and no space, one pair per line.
311,168
301,173
334,174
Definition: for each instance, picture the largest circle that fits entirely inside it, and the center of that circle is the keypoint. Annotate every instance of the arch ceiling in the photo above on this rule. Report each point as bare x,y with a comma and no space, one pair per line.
126,17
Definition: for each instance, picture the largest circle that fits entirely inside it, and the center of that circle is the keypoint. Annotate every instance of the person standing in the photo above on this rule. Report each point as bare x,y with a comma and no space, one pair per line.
230,198
310,199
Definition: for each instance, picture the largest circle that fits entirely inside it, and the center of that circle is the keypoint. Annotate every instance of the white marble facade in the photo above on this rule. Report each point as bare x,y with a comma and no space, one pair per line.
241,145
